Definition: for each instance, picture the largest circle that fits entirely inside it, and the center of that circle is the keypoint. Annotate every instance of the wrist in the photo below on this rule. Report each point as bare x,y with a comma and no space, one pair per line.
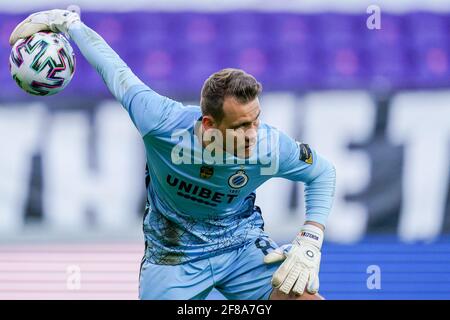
310,234
62,20
74,25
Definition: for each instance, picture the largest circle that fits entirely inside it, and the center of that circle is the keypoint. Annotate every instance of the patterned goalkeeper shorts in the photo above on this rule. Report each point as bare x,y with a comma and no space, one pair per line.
239,274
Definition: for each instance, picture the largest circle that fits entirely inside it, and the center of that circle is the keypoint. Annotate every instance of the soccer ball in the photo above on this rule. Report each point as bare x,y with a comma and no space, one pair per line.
42,64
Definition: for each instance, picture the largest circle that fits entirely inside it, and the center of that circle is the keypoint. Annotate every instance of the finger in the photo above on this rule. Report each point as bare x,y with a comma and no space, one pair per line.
279,254
26,29
17,31
313,283
300,285
289,282
282,272
274,256
33,23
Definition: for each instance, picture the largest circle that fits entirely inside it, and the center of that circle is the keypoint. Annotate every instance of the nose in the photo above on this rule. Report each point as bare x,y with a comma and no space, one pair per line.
255,124
250,136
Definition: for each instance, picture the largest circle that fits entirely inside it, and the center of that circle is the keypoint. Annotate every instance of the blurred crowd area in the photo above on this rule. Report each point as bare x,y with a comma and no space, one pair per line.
296,52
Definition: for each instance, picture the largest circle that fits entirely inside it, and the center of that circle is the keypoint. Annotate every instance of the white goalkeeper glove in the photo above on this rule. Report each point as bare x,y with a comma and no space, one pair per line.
300,268
53,20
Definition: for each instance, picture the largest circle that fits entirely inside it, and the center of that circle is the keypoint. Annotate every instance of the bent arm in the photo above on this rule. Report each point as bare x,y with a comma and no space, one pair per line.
301,163
319,192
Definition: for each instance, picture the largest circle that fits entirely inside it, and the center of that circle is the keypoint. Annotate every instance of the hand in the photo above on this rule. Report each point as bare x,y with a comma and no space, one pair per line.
300,268
53,20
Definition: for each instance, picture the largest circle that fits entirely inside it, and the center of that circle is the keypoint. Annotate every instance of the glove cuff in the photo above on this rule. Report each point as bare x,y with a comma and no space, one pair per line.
310,234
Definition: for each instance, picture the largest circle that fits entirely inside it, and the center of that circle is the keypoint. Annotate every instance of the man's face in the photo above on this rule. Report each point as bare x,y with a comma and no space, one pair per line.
239,126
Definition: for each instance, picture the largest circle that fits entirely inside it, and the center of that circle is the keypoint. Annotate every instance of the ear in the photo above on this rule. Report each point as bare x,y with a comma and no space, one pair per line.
208,122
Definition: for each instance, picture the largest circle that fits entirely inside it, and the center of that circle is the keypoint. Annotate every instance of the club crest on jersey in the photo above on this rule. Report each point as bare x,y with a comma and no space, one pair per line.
238,180
305,153
206,172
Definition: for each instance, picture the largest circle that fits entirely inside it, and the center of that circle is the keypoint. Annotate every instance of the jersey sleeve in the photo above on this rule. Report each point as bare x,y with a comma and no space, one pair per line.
147,109
115,73
299,162
150,112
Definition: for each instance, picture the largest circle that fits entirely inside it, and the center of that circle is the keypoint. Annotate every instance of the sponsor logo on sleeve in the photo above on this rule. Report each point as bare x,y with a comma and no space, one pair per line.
305,153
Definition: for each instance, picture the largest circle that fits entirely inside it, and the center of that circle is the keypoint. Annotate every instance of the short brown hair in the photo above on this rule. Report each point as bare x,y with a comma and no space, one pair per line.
227,83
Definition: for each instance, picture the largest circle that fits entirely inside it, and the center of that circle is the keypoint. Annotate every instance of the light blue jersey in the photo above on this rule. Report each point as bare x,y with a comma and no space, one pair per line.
195,208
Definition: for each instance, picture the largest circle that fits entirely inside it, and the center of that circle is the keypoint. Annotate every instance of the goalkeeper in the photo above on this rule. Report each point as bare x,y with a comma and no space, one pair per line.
202,228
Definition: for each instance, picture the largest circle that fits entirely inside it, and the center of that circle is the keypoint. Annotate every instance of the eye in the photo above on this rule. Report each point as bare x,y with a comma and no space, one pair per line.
241,126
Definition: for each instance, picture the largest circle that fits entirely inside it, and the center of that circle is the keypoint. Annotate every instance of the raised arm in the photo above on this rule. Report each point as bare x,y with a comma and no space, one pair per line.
148,110
115,73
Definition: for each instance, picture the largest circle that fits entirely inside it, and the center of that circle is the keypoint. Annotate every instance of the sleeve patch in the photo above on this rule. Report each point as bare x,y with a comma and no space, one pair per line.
305,153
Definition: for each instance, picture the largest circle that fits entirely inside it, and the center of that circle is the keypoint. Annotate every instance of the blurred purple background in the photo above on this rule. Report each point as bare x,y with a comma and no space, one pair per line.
175,52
